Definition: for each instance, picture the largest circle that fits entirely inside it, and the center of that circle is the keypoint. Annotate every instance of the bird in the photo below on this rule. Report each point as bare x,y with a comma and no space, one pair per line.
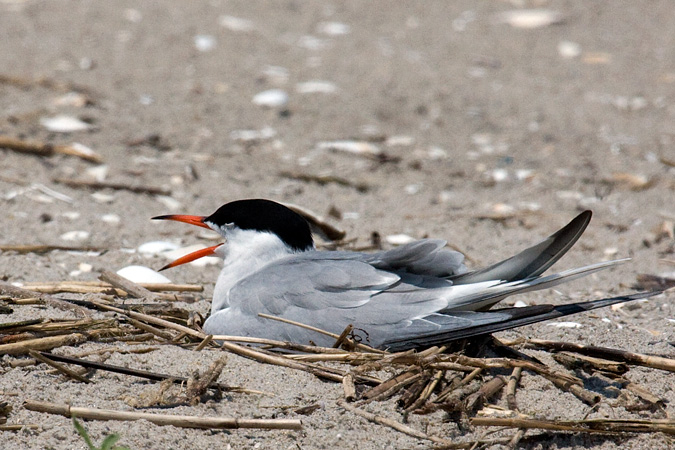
413,296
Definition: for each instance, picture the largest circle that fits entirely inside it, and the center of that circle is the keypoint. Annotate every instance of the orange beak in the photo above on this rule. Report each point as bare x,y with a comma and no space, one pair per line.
192,256
192,220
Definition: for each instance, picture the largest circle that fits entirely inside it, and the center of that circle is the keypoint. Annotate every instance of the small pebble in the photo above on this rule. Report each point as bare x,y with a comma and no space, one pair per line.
205,42
100,197
568,49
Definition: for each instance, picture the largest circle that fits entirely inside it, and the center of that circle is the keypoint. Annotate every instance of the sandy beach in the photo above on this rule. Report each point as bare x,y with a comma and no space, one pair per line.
481,123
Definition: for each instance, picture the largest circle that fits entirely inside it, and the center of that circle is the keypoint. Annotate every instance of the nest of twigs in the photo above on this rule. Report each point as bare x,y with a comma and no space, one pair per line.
459,380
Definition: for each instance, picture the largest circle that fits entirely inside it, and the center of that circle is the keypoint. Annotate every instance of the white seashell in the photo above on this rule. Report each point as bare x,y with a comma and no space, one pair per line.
83,149
272,98
316,87
85,268
399,239
437,153
499,175
156,247
413,189
112,219
569,49
236,24
530,18
170,202
75,235
71,215
99,173
311,43
100,197
355,147
250,136
276,74
142,274
201,262
64,124
51,193
205,42
520,304
401,140
333,28
74,99
564,324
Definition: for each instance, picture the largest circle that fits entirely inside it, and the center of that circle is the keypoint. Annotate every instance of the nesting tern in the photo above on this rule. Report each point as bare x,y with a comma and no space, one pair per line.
416,295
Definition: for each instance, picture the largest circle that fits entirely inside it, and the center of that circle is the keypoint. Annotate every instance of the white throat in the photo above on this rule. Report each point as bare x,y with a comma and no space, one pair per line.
245,252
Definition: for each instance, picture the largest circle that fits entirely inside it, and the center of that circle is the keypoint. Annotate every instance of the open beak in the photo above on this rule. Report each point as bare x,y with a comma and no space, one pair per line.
192,256
192,220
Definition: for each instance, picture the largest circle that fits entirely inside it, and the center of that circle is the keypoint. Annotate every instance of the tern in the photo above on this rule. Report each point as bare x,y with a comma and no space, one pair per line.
417,295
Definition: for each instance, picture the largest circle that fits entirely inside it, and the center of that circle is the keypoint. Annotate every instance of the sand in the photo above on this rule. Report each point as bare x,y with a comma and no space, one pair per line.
492,137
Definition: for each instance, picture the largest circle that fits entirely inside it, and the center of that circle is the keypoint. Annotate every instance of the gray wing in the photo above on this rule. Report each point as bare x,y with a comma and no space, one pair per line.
427,257
328,293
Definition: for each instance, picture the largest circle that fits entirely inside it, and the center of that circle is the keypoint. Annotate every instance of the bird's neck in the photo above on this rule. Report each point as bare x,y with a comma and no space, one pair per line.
245,253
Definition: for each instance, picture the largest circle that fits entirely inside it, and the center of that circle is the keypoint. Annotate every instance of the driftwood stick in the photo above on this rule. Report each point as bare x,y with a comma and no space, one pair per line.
97,185
154,376
589,363
100,286
46,343
197,386
511,386
655,362
60,367
8,289
163,419
582,426
47,248
341,339
320,331
486,391
128,286
392,385
427,391
271,343
322,372
42,149
348,387
392,424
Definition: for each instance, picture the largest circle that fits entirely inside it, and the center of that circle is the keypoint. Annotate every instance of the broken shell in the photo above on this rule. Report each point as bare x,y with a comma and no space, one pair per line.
564,324
530,18
333,28
142,274
156,247
399,239
315,87
112,219
64,124
236,24
354,147
76,235
272,98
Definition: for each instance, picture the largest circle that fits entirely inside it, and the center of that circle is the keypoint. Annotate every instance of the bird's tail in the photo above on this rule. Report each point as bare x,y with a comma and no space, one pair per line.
482,323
